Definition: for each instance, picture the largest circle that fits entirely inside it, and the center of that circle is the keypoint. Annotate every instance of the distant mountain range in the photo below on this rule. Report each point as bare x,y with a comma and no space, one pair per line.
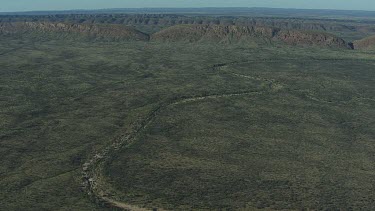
217,11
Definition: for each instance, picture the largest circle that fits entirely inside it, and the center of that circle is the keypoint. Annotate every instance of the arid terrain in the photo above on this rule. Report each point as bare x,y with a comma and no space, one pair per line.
179,111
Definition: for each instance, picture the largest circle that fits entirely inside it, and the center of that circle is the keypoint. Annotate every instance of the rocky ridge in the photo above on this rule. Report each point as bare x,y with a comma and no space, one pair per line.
185,32
192,33
171,20
211,32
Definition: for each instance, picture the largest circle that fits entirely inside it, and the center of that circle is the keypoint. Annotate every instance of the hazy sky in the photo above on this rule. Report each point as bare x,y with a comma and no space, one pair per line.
27,5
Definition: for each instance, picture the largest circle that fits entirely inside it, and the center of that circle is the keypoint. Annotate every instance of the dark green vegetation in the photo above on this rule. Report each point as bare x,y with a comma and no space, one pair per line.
246,125
308,145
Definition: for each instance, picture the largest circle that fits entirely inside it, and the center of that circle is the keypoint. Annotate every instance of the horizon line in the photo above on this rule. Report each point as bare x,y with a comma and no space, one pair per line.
124,8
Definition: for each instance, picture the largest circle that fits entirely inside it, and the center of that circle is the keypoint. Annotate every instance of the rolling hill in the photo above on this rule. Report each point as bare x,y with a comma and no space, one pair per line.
367,43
